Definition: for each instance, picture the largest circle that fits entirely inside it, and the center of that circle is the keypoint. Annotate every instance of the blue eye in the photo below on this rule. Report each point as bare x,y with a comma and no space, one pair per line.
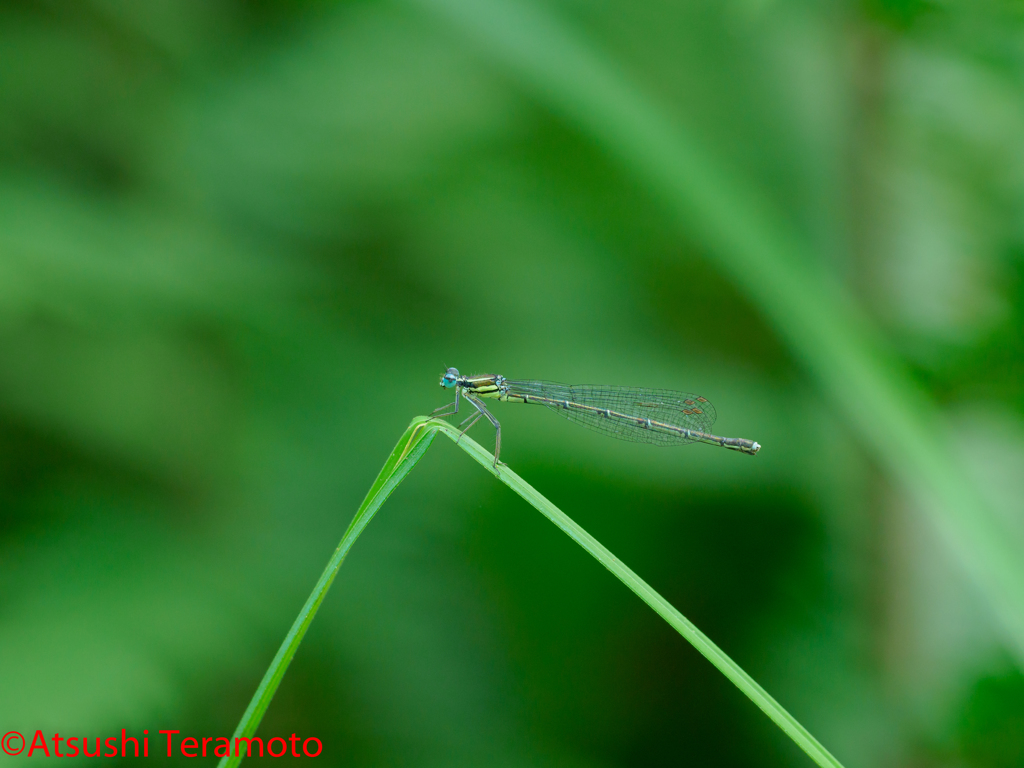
450,378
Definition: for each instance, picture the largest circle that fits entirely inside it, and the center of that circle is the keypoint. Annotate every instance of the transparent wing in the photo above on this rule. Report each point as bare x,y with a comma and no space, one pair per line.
678,409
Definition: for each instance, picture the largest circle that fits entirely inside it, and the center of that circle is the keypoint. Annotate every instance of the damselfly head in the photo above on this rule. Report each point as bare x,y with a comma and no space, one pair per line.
451,376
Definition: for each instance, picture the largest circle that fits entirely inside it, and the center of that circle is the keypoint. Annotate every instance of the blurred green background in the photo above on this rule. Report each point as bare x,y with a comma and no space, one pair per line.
239,242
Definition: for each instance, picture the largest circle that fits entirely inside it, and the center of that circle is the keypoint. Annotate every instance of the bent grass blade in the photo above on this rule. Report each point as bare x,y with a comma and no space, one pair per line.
409,450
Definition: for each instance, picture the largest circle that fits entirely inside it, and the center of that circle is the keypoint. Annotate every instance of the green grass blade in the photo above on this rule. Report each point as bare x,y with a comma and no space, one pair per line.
410,448
407,453
645,592
751,243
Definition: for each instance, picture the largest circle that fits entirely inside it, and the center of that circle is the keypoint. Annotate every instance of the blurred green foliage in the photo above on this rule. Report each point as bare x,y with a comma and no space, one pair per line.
239,242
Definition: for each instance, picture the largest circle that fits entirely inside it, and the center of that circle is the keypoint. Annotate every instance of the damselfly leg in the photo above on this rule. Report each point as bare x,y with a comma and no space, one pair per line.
469,421
452,408
436,413
490,417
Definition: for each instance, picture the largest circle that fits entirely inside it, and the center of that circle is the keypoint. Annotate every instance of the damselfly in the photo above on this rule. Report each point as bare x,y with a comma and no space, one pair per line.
640,415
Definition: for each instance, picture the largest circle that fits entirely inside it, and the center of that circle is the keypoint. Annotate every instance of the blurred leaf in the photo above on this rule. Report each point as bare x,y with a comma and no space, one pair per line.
807,306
